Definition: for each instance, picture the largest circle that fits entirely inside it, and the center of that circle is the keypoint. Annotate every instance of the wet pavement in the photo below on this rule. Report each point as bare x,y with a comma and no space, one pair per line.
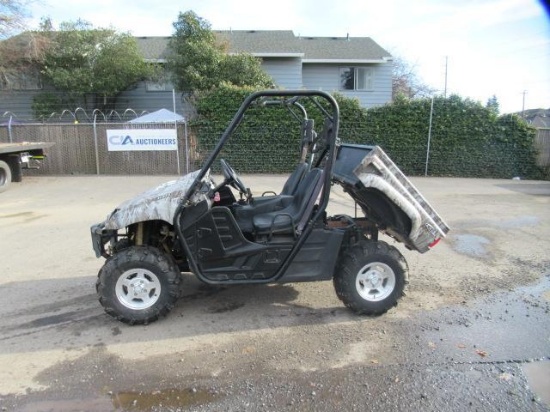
489,354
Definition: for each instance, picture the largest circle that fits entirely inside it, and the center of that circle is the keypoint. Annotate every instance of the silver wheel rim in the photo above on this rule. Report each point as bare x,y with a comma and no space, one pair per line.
375,281
138,289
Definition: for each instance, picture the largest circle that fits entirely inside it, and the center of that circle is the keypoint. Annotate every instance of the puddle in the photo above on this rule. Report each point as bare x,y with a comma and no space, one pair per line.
471,245
539,289
88,405
167,399
538,377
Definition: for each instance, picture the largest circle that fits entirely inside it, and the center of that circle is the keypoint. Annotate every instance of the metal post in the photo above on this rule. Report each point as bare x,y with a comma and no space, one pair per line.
96,147
9,130
186,145
429,137
446,68
176,128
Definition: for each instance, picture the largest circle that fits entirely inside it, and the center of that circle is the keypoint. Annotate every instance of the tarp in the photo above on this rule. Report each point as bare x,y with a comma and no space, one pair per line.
160,116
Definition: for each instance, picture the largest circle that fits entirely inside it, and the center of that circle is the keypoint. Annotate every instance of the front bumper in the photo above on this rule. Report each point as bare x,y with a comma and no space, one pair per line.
100,237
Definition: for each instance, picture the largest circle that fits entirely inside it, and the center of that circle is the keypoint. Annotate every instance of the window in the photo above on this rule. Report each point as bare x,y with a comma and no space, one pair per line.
160,82
356,78
158,86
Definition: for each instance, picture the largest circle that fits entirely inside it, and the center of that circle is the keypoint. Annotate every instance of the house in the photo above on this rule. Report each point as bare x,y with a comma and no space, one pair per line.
539,118
356,67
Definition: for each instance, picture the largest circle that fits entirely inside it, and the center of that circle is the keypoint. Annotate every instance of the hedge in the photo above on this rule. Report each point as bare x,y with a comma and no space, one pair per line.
467,139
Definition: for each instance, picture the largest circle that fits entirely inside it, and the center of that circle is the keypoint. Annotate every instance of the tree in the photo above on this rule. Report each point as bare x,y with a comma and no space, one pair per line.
244,70
405,82
20,53
84,62
198,62
194,56
492,105
12,16
20,58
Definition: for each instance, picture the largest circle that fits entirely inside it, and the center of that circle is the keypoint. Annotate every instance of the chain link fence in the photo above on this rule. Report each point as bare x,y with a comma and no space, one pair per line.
83,149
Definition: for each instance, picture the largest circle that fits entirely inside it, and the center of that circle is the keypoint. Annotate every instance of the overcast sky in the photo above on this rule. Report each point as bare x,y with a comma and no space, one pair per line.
492,47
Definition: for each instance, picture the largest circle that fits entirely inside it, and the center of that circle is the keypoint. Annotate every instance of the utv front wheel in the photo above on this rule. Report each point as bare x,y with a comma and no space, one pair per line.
371,277
138,284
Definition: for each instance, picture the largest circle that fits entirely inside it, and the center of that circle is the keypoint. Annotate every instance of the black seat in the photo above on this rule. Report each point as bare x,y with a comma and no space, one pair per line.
291,185
284,221
266,204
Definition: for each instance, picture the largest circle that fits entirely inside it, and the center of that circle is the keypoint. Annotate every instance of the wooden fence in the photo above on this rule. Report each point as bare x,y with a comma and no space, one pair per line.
82,149
542,144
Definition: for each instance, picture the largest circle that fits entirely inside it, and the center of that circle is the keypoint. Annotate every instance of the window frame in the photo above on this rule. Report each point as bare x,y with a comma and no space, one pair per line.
158,86
161,82
27,80
367,78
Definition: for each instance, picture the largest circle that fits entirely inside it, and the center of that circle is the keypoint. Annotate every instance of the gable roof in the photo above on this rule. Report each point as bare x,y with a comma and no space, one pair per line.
283,43
153,48
536,117
318,49
260,42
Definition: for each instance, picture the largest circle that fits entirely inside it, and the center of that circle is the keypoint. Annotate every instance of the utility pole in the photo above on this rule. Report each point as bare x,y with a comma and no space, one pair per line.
523,104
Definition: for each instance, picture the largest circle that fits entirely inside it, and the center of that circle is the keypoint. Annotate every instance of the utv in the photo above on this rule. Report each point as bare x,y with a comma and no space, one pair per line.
197,225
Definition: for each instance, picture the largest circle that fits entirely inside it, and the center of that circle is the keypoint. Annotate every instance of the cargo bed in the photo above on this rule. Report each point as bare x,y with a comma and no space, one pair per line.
387,197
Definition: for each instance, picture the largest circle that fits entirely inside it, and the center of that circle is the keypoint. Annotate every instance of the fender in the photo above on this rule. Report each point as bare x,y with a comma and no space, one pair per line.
159,203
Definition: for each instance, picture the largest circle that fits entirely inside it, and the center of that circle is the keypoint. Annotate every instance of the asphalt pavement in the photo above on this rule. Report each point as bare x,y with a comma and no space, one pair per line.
472,333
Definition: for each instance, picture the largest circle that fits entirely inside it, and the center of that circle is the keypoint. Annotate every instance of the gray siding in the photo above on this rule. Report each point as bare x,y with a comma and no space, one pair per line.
17,104
286,72
327,77
140,100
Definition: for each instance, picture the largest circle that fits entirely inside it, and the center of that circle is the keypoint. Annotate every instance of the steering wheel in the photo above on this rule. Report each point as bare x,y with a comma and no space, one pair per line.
231,177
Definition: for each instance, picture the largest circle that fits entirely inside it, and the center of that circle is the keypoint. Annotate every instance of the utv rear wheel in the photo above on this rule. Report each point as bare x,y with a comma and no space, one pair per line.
138,284
371,277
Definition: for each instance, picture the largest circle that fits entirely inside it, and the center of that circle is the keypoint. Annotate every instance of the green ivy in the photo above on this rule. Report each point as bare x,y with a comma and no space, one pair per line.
467,139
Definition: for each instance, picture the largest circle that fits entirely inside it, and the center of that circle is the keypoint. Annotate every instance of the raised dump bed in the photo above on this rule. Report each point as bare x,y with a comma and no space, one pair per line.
387,196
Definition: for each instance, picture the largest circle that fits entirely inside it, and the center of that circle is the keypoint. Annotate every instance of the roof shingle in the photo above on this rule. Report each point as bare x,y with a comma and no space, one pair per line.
265,43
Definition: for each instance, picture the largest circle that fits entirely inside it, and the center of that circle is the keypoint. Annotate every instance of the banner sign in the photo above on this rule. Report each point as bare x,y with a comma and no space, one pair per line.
141,139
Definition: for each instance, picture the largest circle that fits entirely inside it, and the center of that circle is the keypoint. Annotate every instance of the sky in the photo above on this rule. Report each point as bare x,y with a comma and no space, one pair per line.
473,48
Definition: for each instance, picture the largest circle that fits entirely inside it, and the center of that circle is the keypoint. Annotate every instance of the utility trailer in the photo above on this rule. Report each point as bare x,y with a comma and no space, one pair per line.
14,157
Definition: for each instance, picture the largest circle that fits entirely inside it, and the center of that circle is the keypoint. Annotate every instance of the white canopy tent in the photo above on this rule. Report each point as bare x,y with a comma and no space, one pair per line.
160,116
163,117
